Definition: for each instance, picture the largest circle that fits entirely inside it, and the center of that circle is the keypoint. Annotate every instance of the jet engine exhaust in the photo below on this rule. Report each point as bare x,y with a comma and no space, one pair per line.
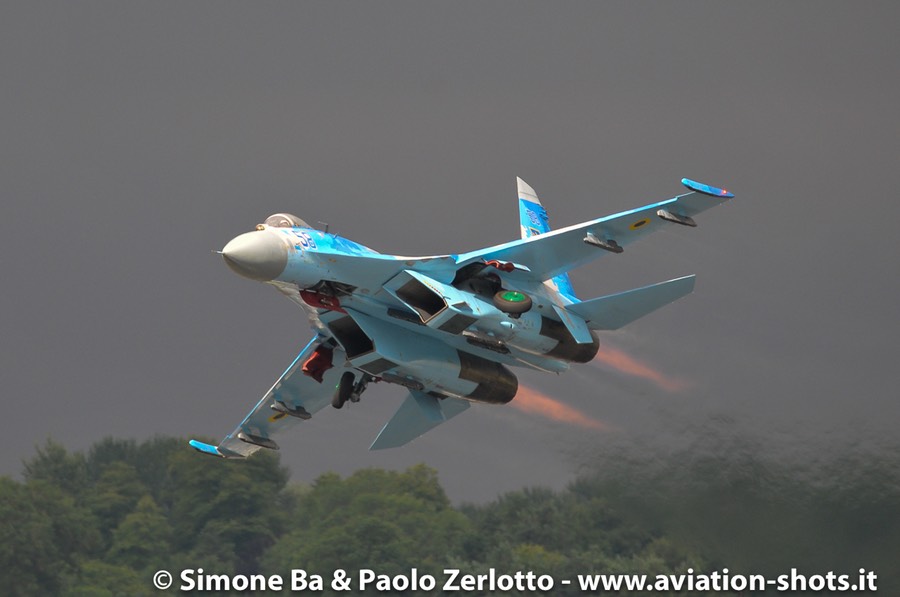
533,402
623,362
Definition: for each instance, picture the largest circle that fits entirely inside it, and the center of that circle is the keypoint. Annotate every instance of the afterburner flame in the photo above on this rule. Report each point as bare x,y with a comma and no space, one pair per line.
534,402
627,364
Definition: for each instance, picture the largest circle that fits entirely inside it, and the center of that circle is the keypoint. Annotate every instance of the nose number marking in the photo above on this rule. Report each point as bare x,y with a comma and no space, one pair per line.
303,240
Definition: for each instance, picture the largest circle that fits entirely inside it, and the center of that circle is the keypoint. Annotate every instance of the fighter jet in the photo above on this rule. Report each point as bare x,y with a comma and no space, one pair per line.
445,328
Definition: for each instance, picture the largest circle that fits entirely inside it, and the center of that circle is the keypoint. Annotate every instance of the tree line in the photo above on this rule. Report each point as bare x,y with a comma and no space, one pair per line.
99,523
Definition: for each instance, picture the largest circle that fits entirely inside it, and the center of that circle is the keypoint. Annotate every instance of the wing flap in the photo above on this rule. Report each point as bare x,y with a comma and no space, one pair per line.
616,310
417,414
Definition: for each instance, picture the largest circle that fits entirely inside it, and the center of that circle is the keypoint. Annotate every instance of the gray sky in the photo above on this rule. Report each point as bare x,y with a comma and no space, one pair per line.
137,137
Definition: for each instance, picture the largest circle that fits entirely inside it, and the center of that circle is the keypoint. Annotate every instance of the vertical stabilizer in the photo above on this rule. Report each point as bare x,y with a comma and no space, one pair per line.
533,221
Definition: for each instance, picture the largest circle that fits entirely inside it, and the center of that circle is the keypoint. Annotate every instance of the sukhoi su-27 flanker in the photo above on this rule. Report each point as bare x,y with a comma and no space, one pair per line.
445,328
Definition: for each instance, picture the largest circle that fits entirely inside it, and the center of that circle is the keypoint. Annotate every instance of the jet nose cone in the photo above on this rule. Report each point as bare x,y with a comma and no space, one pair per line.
258,255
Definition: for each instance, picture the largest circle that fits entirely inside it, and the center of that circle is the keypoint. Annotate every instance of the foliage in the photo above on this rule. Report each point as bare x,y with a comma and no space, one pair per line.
374,518
100,523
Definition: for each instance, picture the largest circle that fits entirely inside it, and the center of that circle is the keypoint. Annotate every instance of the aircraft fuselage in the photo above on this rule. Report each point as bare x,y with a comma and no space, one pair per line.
434,331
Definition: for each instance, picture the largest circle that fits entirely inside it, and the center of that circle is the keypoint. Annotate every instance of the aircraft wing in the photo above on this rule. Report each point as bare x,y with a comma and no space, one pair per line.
547,255
303,394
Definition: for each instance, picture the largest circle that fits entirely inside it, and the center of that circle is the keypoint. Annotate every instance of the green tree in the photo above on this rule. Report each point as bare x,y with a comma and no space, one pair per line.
556,521
29,562
228,501
101,579
42,535
383,520
143,540
114,494
56,466
100,525
108,451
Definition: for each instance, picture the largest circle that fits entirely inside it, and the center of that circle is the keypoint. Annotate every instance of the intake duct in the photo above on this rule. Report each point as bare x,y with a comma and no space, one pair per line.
426,302
351,337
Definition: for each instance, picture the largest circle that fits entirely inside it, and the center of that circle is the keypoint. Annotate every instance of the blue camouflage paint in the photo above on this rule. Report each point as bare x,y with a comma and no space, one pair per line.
316,256
205,448
305,239
705,188
533,217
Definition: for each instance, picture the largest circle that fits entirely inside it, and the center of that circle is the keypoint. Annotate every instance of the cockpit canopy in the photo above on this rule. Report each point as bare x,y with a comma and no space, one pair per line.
285,221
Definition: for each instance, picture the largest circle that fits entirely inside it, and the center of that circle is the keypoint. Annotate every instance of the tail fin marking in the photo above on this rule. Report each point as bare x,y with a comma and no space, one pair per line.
533,220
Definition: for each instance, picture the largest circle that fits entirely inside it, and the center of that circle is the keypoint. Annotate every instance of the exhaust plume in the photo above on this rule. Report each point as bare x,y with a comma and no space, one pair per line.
622,362
533,402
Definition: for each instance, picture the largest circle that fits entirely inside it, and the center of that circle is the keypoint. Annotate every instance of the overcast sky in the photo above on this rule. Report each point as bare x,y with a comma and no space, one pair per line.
135,138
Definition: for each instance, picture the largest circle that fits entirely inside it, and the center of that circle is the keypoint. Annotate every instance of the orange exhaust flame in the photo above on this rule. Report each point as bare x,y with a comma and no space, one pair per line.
533,402
627,364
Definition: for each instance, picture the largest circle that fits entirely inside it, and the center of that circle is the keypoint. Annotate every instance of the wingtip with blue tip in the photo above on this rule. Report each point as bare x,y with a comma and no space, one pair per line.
706,189
206,448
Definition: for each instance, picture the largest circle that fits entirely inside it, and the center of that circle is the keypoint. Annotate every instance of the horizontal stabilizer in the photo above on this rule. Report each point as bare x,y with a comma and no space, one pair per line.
418,413
616,310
